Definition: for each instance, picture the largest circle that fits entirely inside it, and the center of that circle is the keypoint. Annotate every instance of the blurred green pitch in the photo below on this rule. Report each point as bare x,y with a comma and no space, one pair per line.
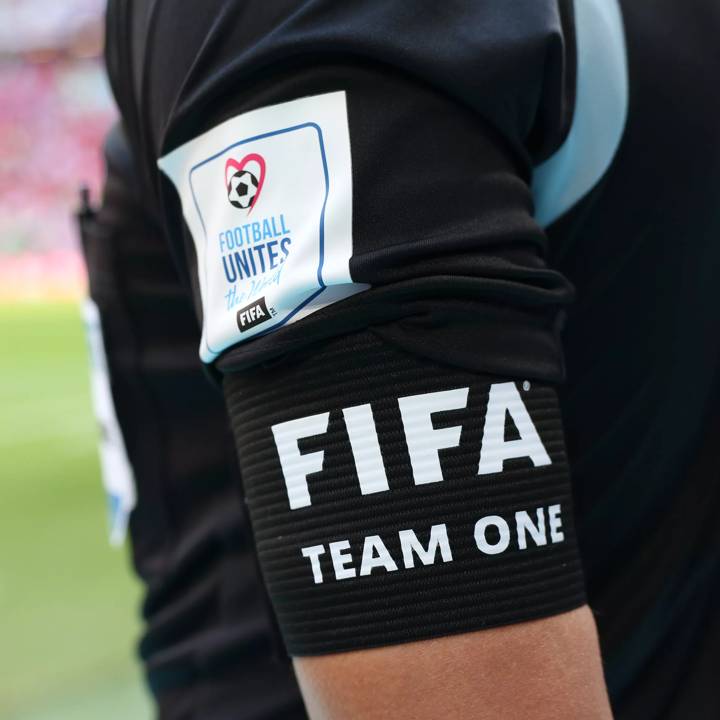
68,604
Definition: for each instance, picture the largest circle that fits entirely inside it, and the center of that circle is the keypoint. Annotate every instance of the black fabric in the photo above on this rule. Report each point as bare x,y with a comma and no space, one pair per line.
448,243
205,609
472,591
515,68
243,692
482,63
642,349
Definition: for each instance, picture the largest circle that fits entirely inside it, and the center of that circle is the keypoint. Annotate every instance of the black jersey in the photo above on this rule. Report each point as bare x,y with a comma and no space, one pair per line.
640,402
381,212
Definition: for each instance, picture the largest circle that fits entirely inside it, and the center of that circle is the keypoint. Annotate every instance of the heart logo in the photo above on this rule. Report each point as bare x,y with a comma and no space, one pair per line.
244,186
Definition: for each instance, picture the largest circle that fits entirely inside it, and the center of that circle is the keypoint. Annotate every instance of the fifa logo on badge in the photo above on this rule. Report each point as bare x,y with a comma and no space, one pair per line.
244,181
252,315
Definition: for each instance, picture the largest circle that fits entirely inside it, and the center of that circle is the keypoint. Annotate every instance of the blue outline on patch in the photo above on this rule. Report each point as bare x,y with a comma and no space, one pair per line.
322,285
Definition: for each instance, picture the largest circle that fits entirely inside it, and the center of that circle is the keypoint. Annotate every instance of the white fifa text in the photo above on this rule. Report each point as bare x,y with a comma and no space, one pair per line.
423,440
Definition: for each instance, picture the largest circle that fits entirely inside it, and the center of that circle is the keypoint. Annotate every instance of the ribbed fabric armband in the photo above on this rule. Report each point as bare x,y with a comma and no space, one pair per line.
395,499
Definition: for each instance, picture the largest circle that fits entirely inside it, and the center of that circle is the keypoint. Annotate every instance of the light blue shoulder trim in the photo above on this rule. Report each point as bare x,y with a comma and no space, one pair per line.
601,106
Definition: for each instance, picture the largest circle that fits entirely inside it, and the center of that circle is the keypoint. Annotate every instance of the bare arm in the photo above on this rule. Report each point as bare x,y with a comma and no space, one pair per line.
547,668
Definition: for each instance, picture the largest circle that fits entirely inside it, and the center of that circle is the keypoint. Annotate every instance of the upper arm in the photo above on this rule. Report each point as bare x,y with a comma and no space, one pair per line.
381,313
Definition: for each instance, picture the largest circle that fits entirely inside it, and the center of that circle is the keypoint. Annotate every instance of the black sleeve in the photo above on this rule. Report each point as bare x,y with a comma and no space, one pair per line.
385,327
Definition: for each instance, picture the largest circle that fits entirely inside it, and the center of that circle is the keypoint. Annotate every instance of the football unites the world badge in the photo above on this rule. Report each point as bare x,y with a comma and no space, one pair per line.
269,248
244,180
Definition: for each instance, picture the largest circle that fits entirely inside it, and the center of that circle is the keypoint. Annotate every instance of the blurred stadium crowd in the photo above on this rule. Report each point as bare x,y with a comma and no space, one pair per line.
55,108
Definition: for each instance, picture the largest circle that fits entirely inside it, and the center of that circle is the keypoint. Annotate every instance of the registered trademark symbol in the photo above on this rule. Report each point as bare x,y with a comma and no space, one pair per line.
526,385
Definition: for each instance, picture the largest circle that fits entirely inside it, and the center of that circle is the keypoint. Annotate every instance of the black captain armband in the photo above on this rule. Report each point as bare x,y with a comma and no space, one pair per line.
349,259
395,499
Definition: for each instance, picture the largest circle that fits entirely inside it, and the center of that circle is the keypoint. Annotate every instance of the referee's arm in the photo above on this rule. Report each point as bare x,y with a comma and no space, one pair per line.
546,669
347,188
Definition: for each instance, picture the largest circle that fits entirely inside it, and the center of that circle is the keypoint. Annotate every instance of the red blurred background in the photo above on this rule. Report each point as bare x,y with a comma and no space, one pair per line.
55,108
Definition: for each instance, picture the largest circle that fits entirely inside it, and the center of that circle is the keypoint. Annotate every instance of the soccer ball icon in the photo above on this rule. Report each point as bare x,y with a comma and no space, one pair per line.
242,189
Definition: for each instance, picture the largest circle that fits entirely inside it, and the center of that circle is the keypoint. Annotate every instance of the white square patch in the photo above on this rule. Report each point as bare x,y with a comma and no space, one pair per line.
267,196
